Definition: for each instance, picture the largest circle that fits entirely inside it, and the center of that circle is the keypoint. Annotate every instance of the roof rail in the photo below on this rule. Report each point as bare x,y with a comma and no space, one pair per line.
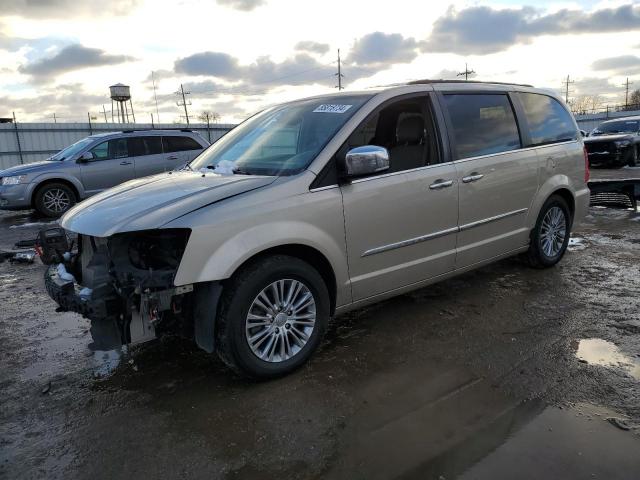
428,81
132,130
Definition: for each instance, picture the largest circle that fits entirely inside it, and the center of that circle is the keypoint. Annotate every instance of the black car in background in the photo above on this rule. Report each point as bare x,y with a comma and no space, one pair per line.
615,143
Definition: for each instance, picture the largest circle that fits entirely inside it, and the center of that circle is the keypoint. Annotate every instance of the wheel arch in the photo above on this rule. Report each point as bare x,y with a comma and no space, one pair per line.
560,185
308,254
43,183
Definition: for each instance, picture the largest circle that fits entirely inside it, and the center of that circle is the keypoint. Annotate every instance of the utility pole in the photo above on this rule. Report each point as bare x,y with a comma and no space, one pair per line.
153,79
626,93
104,110
54,118
339,74
184,102
567,82
466,73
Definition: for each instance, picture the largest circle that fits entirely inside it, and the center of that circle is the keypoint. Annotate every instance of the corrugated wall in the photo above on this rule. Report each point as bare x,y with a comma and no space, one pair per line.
41,140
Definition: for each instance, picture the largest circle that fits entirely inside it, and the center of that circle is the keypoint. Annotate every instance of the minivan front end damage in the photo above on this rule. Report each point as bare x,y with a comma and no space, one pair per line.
125,285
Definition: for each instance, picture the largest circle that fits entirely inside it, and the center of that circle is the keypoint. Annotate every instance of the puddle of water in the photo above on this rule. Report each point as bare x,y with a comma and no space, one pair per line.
600,352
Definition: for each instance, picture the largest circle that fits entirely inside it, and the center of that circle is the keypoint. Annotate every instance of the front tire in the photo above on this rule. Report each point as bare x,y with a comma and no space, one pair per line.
54,199
273,316
550,236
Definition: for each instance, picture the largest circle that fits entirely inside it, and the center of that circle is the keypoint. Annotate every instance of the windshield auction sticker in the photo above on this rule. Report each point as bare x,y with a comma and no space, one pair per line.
332,108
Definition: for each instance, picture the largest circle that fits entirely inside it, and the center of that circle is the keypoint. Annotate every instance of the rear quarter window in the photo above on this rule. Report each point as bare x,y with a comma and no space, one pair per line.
482,124
141,146
548,120
180,144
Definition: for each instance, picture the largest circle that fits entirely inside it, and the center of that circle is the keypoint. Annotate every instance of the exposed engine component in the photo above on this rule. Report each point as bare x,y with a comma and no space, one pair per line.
125,285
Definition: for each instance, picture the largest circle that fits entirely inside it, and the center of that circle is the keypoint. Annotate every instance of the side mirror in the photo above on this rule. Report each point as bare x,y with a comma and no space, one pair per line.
85,157
366,160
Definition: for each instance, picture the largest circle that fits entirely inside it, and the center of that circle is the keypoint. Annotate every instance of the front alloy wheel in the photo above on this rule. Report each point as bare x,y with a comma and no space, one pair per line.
281,320
272,316
54,199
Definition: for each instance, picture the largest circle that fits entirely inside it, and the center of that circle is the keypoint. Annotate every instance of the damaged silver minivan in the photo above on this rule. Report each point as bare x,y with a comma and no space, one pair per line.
322,205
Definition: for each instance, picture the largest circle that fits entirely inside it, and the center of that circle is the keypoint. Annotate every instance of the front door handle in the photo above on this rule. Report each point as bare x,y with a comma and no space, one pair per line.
440,183
172,157
125,163
474,177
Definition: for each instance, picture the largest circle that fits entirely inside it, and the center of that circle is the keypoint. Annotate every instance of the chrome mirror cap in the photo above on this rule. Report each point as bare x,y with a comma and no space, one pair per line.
366,160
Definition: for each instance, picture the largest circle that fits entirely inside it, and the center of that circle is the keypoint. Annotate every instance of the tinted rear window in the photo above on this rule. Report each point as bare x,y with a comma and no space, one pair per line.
139,146
482,124
180,144
548,120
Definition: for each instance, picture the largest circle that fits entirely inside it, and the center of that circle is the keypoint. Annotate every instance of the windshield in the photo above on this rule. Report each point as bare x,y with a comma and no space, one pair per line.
622,126
282,140
71,150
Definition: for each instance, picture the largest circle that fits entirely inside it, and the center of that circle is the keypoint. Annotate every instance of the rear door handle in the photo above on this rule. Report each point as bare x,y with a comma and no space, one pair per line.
440,183
125,163
474,177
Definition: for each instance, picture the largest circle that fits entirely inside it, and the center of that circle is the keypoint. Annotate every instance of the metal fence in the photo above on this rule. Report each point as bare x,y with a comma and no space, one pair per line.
589,121
31,142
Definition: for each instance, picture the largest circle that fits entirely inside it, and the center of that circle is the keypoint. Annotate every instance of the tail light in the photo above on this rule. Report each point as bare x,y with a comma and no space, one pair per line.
587,174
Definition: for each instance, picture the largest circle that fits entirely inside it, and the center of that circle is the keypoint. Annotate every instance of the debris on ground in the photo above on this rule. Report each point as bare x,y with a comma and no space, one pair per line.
621,423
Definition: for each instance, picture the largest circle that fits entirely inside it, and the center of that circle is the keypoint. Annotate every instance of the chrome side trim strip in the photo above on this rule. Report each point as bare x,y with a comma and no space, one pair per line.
320,189
411,241
491,219
441,233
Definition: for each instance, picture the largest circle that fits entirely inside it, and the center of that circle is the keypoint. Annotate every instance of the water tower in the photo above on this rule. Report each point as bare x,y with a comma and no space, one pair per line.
121,95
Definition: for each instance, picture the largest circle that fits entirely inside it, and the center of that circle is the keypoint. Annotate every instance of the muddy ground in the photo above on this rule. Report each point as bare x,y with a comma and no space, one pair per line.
506,372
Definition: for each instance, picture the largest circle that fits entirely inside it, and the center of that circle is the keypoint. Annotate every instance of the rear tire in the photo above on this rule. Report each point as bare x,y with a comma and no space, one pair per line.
272,317
550,236
54,199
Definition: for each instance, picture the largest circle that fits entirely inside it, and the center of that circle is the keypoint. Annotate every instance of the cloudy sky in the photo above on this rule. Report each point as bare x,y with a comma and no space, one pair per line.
236,56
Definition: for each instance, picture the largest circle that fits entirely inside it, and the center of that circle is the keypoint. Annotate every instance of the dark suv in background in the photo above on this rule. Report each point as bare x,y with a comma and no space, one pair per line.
94,164
615,143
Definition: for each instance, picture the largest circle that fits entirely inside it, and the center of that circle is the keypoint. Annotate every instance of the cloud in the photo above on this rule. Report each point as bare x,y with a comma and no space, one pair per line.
72,57
623,64
243,5
483,30
69,101
382,48
312,47
66,8
216,64
299,69
595,86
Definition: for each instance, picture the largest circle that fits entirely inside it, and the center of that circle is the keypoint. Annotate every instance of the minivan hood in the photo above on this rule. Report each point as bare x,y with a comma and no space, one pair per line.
28,168
151,202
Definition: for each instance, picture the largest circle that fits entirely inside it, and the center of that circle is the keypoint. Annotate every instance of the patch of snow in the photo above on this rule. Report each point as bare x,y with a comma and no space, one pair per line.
33,224
85,293
576,244
225,167
63,274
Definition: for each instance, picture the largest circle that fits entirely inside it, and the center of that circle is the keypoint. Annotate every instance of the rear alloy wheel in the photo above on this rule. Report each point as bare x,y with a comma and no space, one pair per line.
550,237
272,316
54,199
